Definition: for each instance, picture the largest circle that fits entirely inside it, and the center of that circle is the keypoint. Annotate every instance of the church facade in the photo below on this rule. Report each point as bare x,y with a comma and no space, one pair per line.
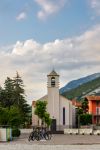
61,110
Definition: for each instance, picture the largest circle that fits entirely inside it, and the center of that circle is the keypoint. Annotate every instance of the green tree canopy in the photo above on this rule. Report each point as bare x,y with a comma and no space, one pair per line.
85,119
13,94
41,112
10,117
85,106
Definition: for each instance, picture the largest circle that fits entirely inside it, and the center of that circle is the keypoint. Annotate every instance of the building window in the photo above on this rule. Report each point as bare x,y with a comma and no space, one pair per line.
63,115
97,110
97,103
53,81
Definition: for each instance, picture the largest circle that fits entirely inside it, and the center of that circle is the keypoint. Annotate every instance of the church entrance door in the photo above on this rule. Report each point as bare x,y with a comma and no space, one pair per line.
53,125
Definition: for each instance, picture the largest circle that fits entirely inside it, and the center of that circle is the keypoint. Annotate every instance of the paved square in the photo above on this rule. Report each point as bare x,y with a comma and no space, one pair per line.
58,142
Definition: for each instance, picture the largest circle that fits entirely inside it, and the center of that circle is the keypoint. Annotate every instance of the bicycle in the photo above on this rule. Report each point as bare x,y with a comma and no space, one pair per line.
45,134
39,133
35,134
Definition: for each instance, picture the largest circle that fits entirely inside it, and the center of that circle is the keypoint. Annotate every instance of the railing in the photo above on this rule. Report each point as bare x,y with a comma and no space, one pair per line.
96,114
4,126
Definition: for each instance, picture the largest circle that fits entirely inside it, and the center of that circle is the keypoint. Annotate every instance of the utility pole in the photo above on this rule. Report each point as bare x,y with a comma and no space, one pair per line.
78,122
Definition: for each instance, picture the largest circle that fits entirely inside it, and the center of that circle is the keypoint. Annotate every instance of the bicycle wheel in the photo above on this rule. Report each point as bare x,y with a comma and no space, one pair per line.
31,137
50,135
47,136
38,137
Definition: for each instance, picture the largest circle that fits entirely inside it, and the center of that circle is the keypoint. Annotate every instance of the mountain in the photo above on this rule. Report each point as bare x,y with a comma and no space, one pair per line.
89,85
75,83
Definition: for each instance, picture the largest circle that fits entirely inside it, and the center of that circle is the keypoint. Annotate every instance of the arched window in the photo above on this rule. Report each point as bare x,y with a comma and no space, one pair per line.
63,115
53,81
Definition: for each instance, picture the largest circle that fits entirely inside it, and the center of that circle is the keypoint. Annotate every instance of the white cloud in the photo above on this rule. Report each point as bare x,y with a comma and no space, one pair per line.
95,5
21,48
49,7
21,16
72,58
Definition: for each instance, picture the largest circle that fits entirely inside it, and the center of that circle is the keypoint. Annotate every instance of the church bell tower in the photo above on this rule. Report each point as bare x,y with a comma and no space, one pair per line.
53,96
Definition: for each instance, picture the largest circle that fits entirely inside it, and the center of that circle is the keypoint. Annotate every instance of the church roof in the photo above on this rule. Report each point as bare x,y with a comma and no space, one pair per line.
53,73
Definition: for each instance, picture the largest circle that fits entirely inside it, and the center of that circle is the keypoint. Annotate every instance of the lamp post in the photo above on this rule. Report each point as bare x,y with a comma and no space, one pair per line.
78,122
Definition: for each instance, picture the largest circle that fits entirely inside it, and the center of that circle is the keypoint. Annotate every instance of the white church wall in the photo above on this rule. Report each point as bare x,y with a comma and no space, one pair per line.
68,111
70,114
34,117
53,103
74,116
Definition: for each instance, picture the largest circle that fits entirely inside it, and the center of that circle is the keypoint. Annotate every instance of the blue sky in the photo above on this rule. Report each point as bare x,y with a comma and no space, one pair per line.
36,35
71,19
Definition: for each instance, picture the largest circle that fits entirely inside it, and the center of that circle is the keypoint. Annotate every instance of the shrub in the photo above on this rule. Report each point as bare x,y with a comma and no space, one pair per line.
15,132
85,119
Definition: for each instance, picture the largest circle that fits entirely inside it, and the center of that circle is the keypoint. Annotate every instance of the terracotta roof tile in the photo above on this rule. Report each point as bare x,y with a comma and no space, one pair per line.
33,103
76,103
93,97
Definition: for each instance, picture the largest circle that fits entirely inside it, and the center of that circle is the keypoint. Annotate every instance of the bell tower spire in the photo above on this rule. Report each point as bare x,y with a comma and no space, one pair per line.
53,79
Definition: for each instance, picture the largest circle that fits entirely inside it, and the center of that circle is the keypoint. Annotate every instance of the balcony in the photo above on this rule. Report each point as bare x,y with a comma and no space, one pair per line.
96,115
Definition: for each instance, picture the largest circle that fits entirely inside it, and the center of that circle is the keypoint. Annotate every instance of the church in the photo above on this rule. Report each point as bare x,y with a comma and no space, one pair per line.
61,110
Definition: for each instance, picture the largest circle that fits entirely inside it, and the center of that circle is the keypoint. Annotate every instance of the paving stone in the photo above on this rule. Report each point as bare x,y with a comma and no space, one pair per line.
48,147
58,142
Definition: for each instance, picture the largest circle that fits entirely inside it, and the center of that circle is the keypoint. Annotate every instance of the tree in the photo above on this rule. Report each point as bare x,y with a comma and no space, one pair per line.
20,100
4,116
47,119
85,106
26,114
85,119
3,102
41,112
40,109
79,111
10,117
19,90
15,119
8,92
13,94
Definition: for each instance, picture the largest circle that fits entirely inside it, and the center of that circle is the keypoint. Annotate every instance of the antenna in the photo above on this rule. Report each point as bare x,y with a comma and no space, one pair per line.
53,68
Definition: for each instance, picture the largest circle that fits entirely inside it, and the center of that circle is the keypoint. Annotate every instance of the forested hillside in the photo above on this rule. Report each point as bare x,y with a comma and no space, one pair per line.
91,87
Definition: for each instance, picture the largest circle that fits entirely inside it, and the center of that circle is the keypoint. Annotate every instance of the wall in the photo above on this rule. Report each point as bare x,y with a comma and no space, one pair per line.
53,103
34,118
68,111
